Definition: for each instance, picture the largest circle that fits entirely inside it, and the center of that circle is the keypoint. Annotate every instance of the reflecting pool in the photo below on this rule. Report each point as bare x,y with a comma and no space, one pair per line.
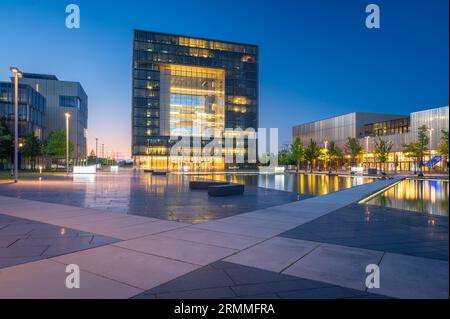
306,184
425,196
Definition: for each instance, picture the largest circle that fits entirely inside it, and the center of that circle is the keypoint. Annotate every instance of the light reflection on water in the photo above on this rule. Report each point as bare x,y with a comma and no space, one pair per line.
425,196
303,184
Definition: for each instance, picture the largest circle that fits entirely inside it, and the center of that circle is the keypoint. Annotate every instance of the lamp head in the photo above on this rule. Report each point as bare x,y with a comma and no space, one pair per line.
15,70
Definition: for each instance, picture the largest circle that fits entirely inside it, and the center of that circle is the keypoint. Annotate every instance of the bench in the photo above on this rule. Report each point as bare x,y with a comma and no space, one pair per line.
159,173
226,190
204,184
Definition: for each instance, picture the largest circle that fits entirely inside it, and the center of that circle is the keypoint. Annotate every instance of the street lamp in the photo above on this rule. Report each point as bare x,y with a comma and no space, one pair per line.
367,151
326,154
430,130
67,142
17,73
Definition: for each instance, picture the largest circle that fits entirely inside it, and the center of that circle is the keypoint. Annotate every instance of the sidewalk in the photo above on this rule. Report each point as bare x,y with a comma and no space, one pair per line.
148,253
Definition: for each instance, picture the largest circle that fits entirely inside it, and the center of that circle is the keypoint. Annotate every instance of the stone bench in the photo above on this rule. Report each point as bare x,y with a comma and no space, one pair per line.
148,171
159,173
204,184
226,190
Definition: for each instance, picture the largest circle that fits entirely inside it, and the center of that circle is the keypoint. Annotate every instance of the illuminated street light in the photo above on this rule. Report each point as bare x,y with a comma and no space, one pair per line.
17,73
367,151
430,130
67,142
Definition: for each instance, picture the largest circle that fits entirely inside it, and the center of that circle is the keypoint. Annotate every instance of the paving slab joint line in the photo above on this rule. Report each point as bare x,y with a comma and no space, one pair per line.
97,274
309,252
159,256
196,242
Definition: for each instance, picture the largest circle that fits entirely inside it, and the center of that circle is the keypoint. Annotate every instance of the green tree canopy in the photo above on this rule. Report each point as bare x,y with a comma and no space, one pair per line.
353,147
297,152
312,152
285,155
334,152
32,148
55,145
382,150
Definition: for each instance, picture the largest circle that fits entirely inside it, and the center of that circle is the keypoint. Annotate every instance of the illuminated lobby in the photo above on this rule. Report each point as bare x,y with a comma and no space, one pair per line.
195,89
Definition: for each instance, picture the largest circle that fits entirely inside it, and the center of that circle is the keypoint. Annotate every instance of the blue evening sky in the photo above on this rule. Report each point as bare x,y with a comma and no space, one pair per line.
317,59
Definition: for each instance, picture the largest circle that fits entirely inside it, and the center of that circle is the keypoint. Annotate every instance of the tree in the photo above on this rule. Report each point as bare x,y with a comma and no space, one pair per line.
382,150
334,152
285,156
6,142
353,147
312,153
32,149
419,148
297,152
443,145
55,145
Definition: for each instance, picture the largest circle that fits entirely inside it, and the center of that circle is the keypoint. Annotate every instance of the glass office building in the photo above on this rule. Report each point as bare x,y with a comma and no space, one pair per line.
32,110
190,87
370,127
63,97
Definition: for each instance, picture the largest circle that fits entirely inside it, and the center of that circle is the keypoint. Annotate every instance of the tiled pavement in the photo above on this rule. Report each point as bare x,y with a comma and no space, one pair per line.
23,240
150,257
379,228
227,280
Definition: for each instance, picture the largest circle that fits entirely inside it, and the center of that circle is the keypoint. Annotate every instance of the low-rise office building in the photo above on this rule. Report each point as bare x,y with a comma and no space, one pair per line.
32,110
369,127
63,97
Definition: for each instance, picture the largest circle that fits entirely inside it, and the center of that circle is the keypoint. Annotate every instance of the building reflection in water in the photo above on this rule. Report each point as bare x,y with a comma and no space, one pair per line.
425,196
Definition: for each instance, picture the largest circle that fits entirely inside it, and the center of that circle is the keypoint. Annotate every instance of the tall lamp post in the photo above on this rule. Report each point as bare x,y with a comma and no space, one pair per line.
326,154
67,142
17,73
367,152
430,130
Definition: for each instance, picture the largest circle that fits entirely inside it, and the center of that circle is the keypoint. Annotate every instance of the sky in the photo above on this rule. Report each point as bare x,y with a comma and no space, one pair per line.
317,58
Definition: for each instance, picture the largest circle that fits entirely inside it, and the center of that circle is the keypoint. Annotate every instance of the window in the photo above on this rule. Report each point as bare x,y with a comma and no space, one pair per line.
69,101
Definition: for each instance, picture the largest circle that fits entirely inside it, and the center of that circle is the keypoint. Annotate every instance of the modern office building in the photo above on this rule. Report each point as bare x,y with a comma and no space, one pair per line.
63,97
188,87
369,127
32,110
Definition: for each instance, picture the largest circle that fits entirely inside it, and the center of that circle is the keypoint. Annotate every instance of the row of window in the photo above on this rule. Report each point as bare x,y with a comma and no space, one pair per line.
69,101
160,38
159,57
194,52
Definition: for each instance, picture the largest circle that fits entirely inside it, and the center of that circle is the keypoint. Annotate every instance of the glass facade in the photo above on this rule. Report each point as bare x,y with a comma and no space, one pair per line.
399,126
369,127
32,109
184,86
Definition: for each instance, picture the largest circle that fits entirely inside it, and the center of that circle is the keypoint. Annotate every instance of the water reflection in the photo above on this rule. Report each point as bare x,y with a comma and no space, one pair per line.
425,196
309,184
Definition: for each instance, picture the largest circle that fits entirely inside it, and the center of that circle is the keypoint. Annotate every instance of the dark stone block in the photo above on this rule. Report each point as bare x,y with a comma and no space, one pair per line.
226,190
159,173
204,184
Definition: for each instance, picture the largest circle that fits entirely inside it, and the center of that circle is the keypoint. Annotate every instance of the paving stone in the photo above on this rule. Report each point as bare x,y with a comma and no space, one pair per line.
46,279
195,253
220,239
274,254
127,266
413,277
337,265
